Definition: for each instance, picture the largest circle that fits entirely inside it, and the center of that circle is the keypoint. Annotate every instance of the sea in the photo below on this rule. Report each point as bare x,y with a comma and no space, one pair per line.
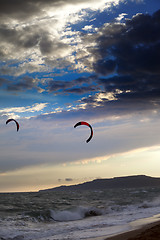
75,215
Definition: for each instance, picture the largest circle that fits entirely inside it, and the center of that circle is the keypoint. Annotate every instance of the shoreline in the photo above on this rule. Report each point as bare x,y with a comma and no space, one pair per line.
141,229
145,232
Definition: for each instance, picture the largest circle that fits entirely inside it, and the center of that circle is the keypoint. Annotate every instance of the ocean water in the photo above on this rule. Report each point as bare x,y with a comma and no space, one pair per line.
76,215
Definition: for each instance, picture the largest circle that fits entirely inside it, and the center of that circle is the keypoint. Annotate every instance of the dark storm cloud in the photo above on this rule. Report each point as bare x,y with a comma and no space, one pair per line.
2,81
138,59
27,83
134,46
48,46
131,94
17,9
22,10
14,41
134,84
75,86
20,39
105,67
26,37
7,34
16,44
131,52
144,28
82,90
54,86
19,33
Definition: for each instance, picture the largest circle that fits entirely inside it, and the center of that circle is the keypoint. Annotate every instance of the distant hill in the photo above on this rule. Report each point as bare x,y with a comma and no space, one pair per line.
117,182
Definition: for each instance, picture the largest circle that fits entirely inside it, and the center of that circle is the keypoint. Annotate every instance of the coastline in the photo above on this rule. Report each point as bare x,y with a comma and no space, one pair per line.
141,229
150,231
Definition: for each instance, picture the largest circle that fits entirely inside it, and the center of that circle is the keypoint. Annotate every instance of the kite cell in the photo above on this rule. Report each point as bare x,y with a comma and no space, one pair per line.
87,124
17,124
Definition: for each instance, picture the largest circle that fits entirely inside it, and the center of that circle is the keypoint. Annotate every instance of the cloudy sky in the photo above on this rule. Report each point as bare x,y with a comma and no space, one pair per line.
62,62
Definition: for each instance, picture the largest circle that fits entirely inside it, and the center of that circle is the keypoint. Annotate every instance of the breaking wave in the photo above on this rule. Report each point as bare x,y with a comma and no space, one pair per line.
64,215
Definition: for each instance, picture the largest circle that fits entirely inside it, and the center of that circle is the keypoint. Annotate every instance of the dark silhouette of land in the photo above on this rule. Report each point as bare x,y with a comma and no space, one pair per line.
136,181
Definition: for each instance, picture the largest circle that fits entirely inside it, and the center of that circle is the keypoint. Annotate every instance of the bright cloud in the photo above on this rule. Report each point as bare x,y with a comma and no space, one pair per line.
42,36
11,111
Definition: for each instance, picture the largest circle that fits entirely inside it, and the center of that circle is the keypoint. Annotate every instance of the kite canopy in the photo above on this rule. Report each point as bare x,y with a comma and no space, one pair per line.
87,124
17,124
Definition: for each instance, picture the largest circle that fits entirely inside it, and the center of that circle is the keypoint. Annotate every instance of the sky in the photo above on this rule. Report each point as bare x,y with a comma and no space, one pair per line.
62,62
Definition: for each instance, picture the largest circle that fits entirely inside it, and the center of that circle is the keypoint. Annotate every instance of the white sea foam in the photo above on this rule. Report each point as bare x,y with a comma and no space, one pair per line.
63,216
74,214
